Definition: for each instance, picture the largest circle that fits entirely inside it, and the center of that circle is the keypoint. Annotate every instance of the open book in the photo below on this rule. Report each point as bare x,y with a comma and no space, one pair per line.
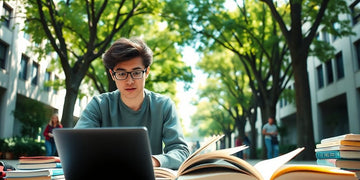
221,164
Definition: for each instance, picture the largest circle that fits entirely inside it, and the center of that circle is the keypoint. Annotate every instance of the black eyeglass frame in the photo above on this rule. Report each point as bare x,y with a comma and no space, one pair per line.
131,75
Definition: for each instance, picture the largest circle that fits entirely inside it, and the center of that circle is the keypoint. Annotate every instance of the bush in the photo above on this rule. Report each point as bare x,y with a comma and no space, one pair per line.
24,147
285,148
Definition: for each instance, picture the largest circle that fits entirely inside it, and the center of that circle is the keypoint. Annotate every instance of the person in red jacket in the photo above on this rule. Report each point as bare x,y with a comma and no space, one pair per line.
49,137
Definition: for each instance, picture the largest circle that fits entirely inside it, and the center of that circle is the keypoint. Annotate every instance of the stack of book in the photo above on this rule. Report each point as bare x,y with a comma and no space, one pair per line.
37,168
340,151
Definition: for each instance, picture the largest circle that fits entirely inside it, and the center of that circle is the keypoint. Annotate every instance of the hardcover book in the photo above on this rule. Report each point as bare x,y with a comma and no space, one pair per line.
337,154
338,143
340,147
28,173
39,159
350,137
340,163
35,174
39,166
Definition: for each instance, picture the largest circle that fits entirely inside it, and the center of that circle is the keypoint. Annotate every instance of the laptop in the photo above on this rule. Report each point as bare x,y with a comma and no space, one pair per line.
104,153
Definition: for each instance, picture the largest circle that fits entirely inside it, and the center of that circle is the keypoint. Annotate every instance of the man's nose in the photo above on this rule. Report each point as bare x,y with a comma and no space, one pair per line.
129,79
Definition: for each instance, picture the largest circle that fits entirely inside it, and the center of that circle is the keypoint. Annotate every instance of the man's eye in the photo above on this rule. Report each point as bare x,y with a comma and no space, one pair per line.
136,73
121,73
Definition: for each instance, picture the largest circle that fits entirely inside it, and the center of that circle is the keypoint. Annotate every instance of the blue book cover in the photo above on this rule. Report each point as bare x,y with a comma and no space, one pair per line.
337,154
328,155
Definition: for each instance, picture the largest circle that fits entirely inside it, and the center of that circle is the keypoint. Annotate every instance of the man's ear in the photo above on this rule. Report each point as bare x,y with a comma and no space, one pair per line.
111,74
147,72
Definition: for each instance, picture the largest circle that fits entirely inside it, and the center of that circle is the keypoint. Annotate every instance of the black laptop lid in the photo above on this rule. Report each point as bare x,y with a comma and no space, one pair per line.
104,153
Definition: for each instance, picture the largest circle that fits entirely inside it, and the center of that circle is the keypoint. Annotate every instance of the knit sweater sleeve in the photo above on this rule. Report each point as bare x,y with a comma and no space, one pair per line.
175,147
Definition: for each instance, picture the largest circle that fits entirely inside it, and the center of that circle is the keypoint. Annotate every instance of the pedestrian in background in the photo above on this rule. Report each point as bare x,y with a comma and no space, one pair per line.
270,132
50,146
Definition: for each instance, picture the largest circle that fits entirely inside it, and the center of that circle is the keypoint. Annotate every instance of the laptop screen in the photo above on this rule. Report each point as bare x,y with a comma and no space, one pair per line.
104,153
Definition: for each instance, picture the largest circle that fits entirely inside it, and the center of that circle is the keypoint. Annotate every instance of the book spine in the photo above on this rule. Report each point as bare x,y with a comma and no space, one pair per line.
326,162
328,155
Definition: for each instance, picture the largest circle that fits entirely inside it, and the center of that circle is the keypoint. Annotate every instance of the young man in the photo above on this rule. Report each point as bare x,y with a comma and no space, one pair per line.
128,61
270,131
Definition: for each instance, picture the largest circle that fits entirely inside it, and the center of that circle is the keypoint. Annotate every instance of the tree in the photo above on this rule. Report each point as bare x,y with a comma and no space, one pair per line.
306,17
252,35
231,91
211,118
79,32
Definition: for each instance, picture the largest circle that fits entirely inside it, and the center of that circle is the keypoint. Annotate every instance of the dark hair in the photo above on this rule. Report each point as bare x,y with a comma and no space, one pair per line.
125,49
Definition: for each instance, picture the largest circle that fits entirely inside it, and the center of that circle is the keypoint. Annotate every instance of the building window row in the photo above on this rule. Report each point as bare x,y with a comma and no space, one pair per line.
333,68
23,73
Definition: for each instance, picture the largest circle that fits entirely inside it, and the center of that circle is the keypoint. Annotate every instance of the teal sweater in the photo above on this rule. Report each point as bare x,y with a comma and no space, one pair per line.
157,114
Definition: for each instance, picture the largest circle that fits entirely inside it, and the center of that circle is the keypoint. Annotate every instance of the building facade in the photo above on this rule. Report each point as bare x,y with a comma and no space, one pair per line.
334,87
22,74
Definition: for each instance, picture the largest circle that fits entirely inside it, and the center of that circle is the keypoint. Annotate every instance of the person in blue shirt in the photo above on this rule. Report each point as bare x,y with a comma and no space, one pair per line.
128,61
270,132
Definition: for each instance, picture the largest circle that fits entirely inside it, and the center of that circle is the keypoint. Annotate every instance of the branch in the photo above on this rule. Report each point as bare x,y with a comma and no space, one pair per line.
277,17
308,39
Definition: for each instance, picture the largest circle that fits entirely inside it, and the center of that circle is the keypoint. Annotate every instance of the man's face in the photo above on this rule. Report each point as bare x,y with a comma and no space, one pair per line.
271,121
131,88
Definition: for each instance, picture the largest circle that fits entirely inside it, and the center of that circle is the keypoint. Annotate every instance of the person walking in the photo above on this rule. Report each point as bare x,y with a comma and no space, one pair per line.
270,132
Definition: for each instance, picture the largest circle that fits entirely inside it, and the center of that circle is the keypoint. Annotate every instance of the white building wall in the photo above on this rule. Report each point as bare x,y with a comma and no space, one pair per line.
11,86
344,90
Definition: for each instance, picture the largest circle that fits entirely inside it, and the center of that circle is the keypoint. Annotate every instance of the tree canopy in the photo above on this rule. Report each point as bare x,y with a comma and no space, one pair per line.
79,32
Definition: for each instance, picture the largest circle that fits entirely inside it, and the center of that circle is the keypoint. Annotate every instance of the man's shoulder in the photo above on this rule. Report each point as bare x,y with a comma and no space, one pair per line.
107,96
156,96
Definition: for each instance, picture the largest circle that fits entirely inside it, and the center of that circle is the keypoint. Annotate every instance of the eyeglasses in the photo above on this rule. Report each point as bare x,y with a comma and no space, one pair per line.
122,75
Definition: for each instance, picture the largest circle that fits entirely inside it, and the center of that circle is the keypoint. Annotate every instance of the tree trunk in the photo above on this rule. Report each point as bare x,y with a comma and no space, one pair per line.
72,90
305,132
67,119
253,136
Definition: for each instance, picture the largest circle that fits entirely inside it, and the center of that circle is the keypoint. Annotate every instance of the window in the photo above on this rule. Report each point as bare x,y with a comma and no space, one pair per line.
6,13
329,71
26,36
339,66
3,52
320,76
23,67
336,27
56,80
35,73
355,11
357,50
325,36
47,79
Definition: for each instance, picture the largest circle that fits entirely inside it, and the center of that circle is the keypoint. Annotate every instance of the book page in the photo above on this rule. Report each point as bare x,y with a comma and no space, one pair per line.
212,140
224,154
268,167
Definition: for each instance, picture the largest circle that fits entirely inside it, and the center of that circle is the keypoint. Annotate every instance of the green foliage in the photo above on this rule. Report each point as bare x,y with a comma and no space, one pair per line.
23,146
80,32
3,145
285,148
211,119
33,115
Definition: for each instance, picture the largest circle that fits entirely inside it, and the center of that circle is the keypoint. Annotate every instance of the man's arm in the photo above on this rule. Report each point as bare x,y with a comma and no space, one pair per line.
175,149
